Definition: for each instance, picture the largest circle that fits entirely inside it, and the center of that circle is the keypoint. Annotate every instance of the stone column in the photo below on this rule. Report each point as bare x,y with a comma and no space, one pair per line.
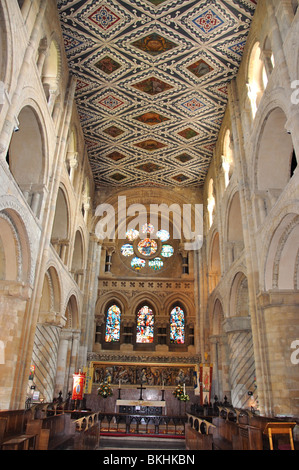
241,359
280,392
13,300
62,362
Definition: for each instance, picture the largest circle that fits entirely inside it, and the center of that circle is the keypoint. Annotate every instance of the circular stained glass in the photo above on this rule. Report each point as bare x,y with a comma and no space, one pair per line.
137,263
147,247
127,250
156,264
148,228
163,235
132,234
167,251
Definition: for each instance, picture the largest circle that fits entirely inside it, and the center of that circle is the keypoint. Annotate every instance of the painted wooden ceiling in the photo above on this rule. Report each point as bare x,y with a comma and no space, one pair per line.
152,81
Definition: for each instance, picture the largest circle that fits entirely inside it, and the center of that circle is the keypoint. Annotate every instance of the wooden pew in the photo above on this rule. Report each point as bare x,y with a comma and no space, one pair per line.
87,432
53,432
13,430
198,433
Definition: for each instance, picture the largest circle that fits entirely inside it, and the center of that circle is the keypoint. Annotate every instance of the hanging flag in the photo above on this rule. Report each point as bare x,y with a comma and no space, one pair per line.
206,372
88,371
196,380
78,386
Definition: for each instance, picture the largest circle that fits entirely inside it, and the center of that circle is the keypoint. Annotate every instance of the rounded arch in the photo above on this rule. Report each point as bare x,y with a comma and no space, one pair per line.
274,153
234,219
78,257
217,317
61,222
239,300
51,292
26,149
72,312
15,252
281,265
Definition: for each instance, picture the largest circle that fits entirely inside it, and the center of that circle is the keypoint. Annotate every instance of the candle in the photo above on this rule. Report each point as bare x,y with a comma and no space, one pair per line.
163,385
119,384
184,390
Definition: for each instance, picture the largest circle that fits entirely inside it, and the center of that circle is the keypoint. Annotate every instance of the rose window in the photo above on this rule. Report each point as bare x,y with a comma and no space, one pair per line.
152,249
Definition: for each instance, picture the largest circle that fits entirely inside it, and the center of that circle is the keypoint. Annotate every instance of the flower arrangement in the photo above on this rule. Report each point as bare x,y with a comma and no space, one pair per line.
105,390
180,394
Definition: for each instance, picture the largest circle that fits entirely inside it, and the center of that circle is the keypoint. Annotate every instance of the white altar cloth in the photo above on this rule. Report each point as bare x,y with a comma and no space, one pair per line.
140,403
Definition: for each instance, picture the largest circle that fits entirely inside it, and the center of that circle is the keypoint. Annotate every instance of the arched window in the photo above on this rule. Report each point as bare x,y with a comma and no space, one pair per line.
257,78
145,325
177,326
211,202
227,158
112,334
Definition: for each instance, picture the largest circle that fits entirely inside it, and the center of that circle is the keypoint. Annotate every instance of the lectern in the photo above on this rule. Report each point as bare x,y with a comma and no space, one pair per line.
280,428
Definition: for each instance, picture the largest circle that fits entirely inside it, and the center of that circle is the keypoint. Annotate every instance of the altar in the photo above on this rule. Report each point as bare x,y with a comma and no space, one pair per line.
141,406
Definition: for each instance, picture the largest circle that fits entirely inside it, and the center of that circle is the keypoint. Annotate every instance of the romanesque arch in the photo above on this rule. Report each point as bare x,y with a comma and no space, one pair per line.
234,230
26,151
61,226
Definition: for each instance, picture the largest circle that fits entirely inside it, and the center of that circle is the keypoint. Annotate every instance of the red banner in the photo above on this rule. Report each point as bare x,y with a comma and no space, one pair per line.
205,380
78,386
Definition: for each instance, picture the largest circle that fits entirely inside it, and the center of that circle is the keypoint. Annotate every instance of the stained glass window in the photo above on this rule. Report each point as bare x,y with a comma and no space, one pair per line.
156,264
113,324
148,228
167,251
147,247
127,250
177,326
163,235
137,263
145,325
132,234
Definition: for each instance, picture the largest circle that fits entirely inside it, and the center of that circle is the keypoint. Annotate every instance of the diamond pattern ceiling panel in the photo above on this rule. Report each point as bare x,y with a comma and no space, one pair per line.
152,81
